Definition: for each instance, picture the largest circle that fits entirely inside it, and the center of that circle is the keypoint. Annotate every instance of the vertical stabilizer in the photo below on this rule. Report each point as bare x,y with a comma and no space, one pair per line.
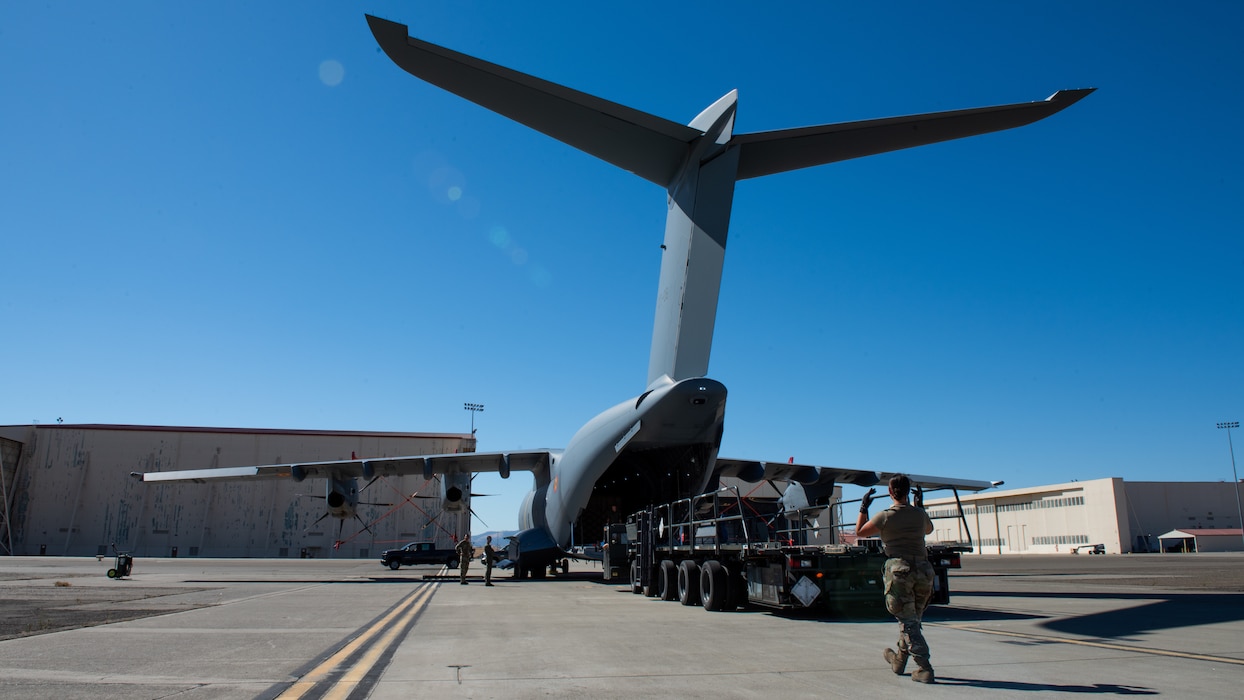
698,164
699,200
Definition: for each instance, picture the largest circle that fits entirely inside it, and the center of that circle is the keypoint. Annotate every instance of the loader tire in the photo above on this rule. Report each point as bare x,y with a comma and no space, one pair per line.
713,586
669,580
689,582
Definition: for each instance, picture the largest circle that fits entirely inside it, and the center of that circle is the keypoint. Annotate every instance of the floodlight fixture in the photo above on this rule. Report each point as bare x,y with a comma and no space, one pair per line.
473,408
1235,478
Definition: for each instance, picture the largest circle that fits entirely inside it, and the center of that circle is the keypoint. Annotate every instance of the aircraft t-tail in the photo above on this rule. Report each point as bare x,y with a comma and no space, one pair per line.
662,444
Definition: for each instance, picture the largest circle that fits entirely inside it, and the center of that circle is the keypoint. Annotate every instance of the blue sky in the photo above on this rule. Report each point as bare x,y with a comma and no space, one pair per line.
243,214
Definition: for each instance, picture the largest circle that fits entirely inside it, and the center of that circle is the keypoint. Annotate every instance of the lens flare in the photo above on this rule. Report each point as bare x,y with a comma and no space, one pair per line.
446,184
499,237
539,276
332,73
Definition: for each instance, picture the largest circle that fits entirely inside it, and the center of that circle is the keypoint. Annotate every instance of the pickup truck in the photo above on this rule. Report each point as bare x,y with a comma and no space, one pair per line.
419,553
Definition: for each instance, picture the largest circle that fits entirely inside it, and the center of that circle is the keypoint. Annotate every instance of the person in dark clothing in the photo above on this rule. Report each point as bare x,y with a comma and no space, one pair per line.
465,551
489,552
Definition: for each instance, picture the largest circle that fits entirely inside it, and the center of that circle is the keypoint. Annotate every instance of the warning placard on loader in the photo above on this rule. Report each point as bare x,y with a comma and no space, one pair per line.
805,591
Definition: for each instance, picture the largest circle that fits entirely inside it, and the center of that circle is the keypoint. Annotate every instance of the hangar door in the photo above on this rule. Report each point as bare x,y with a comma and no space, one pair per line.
10,453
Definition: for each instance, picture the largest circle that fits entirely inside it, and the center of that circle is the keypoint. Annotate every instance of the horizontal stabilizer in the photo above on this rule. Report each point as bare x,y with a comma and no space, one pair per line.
649,146
769,152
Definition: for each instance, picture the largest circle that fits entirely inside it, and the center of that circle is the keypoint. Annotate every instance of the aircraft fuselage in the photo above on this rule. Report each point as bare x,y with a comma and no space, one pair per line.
660,444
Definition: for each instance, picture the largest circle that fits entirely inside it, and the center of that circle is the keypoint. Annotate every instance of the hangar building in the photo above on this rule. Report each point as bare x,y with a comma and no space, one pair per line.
1122,516
66,490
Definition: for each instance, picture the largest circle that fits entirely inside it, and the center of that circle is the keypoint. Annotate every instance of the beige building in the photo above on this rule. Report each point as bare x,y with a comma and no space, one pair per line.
1122,516
67,490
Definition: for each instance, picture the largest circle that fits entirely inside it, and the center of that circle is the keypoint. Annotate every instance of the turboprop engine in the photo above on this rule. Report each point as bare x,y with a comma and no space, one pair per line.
456,492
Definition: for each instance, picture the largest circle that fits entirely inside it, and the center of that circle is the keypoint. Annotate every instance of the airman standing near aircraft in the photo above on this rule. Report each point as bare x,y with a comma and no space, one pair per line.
488,554
908,573
465,550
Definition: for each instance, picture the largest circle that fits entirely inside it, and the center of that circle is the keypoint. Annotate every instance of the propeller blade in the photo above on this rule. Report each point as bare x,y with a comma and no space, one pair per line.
476,515
317,521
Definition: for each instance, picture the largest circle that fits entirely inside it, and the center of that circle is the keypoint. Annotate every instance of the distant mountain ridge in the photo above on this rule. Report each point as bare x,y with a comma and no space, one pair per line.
498,537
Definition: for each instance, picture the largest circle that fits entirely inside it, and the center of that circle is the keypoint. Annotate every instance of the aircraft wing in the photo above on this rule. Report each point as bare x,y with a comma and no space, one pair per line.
427,465
937,483
754,471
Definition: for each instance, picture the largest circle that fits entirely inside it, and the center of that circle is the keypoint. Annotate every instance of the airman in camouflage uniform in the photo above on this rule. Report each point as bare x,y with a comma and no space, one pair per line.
908,573
489,553
465,551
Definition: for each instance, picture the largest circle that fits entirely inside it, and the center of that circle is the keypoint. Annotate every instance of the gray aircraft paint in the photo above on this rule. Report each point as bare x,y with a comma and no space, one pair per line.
676,424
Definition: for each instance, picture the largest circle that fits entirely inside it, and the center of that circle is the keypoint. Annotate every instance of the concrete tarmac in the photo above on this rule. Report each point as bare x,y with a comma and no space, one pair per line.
1018,627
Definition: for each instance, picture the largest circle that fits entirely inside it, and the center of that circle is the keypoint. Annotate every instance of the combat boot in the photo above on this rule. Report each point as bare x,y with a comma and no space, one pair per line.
924,674
897,660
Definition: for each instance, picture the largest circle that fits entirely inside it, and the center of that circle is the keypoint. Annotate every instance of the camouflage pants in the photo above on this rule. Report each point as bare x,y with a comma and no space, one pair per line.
908,588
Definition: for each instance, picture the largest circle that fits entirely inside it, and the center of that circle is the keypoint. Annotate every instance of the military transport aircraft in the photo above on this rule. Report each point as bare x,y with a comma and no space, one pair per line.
662,444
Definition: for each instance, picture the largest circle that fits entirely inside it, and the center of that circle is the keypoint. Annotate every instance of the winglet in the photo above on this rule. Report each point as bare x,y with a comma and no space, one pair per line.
1070,97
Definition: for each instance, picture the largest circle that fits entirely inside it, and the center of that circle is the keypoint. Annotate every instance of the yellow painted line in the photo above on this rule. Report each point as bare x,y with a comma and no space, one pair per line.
1098,645
354,676
321,672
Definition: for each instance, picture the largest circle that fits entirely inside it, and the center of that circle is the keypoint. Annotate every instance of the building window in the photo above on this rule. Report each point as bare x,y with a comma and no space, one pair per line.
1061,539
1044,503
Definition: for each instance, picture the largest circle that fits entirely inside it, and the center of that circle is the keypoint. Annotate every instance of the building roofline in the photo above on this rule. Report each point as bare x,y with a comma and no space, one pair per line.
1012,493
1203,532
233,431
990,495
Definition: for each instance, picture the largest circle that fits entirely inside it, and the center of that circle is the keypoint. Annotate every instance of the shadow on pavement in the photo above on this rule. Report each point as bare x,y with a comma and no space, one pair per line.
1096,688
1159,611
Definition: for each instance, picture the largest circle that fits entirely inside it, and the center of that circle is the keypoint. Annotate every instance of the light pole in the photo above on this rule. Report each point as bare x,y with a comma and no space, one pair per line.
473,408
1235,478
